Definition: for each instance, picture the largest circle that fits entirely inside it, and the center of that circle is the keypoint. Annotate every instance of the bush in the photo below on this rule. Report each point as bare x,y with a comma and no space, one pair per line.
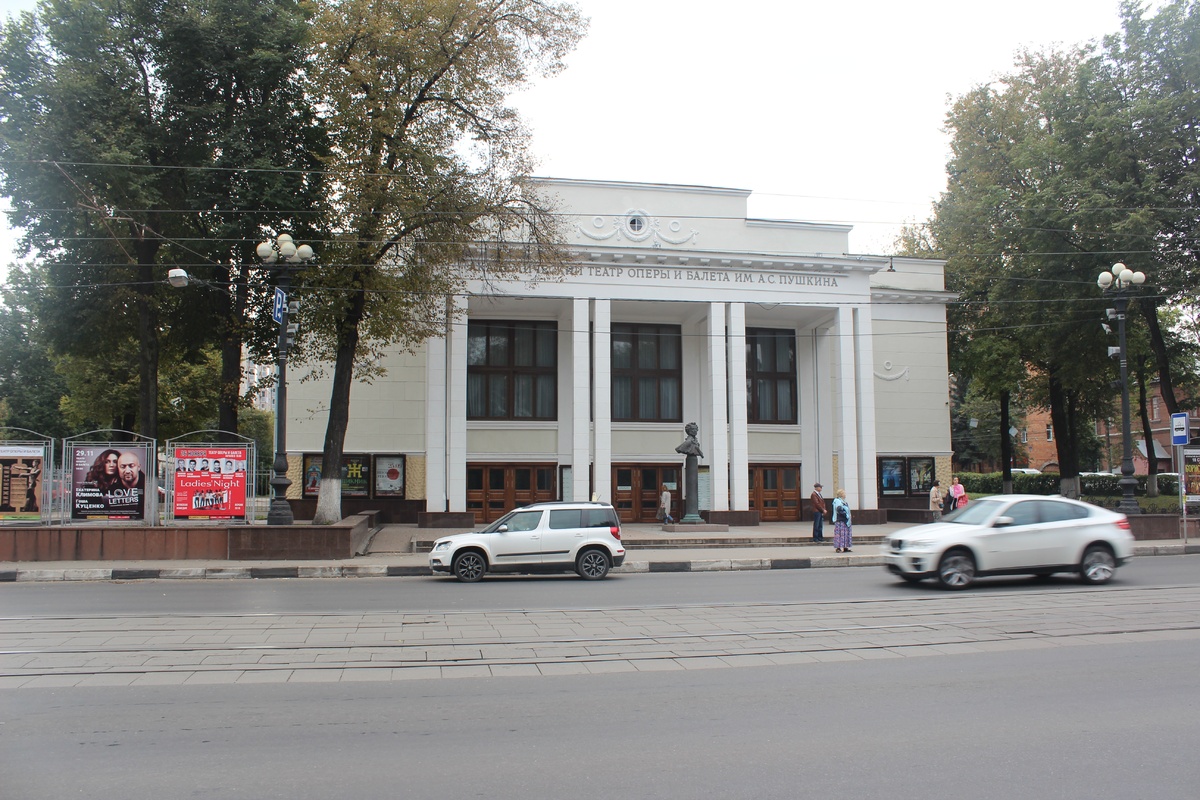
1100,490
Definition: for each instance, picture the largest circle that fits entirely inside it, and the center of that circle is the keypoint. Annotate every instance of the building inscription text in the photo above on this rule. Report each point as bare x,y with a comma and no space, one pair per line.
684,275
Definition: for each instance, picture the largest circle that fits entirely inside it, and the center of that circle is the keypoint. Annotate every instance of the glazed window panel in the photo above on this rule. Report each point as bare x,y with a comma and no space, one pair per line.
771,376
512,370
647,373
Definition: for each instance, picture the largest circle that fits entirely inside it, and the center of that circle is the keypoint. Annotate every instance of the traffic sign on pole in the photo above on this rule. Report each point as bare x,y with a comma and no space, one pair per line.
279,305
1180,429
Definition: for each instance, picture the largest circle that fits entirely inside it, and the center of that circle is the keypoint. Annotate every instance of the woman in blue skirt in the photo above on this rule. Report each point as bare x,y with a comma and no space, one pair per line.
843,534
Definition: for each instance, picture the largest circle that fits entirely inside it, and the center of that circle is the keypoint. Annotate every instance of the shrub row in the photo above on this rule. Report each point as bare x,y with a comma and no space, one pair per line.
1048,483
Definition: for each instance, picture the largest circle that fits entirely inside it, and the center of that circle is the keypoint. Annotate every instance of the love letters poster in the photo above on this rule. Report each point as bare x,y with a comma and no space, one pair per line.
109,480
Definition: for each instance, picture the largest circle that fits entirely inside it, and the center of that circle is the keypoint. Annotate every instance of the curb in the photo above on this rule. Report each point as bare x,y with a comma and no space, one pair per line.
123,574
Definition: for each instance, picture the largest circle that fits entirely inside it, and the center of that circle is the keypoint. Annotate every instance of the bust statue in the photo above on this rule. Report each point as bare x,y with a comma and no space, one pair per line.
690,445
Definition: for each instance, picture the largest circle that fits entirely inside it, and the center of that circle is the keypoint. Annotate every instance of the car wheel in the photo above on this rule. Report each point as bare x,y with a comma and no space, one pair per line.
1098,565
956,570
592,565
469,566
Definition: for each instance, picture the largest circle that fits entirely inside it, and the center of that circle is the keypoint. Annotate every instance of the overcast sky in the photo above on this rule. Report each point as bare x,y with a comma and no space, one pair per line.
830,111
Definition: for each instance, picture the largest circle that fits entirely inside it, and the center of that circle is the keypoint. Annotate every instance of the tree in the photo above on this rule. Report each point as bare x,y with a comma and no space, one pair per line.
140,135
30,389
429,181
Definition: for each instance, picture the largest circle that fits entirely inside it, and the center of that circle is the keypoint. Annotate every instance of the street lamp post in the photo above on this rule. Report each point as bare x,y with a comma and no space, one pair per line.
289,258
1120,283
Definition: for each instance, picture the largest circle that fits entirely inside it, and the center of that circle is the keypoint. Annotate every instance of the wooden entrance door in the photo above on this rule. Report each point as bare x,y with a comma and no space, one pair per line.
636,489
495,489
775,492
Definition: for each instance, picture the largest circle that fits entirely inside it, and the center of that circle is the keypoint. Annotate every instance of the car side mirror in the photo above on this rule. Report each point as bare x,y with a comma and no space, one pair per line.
503,528
1002,522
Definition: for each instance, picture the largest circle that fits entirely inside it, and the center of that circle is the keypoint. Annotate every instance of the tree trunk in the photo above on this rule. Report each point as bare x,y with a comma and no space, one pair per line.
1062,415
148,350
1006,448
1147,432
231,364
1157,343
329,497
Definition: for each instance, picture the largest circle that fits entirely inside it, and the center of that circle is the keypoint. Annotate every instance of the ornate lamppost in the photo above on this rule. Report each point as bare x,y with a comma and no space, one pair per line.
288,258
1120,283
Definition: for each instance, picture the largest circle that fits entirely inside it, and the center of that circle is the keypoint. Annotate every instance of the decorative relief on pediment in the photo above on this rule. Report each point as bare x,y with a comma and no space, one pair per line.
637,226
889,375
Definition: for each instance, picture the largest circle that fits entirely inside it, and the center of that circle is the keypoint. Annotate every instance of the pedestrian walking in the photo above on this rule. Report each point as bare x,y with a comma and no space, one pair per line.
935,501
843,534
957,493
664,505
818,510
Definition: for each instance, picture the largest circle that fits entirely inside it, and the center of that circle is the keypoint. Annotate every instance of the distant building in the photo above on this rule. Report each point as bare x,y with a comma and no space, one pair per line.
799,361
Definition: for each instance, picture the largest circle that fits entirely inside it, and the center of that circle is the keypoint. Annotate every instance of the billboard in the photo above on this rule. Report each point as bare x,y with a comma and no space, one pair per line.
1191,474
209,481
22,471
108,480
356,475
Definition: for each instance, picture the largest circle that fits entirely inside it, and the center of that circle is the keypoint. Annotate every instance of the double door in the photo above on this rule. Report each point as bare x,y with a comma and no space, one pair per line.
637,487
775,492
494,489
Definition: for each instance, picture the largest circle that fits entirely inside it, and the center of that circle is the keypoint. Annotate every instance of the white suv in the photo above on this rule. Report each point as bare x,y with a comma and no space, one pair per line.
546,537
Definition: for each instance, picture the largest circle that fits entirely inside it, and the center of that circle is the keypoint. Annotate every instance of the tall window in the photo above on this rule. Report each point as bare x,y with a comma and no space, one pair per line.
770,375
646,373
512,370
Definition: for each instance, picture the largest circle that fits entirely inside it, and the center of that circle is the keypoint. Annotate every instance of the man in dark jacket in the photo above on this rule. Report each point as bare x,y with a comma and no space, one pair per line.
818,509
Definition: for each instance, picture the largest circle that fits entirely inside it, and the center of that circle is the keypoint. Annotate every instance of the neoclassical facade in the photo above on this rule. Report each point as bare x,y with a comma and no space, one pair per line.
799,362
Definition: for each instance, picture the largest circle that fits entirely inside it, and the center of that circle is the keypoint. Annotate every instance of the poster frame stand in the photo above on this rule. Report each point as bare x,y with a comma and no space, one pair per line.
71,443
251,472
46,496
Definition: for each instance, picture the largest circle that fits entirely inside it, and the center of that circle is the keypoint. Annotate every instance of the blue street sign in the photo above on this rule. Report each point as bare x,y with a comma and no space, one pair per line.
1180,429
279,306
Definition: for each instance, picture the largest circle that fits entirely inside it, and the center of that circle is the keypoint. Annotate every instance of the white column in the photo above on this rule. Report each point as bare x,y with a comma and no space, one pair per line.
716,438
456,408
601,400
581,405
435,422
739,435
850,478
864,344
816,407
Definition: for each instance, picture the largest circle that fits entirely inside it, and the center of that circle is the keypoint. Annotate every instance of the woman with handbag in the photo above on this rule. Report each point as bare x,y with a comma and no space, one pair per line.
843,534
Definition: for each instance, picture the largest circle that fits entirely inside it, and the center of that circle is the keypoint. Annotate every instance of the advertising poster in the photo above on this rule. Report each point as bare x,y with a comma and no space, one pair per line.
891,476
21,475
1191,474
920,475
109,480
210,482
356,475
389,476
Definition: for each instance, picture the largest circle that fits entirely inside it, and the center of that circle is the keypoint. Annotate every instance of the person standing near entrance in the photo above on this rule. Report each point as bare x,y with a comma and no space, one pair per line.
664,505
818,509
935,500
843,535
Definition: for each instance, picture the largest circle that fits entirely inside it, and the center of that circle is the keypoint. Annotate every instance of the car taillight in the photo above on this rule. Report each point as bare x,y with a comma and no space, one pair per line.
615,531
1123,523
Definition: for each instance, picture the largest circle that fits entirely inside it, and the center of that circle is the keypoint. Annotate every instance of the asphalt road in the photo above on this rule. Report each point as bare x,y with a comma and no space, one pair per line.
824,684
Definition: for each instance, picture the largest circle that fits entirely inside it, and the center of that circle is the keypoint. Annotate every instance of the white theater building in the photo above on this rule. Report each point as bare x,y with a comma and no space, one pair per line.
798,361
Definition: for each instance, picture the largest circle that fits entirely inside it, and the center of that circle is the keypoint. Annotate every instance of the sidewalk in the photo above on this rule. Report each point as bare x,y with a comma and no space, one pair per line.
648,549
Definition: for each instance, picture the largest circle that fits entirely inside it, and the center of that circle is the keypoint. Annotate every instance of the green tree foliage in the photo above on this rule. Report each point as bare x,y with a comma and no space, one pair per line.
429,167
136,136
30,388
1075,160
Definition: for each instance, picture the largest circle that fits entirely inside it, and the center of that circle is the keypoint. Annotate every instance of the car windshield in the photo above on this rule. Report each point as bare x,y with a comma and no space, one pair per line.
976,513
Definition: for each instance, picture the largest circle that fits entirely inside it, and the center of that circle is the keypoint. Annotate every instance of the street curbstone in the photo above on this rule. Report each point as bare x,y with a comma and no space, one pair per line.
185,573
8,575
227,573
39,575
119,574
395,571
670,566
274,572
791,563
87,574
324,571
365,571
